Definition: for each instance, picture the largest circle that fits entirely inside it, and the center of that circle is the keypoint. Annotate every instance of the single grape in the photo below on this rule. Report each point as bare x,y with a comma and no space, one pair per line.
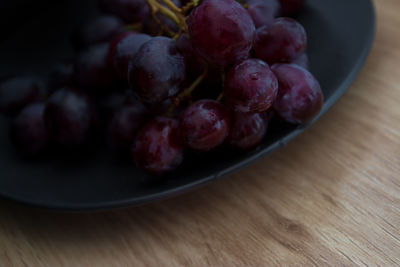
250,86
157,70
100,30
221,31
130,11
204,125
156,148
124,50
124,124
302,61
247,130
92,69
282,41
291,7
62,75
70,117
28,131
300,96
18,92
263,12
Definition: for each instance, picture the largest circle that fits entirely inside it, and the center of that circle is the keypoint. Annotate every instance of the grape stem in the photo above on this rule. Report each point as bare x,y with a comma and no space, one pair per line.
134,27
221,95
188,91
157,7
171,11
172,6
176,101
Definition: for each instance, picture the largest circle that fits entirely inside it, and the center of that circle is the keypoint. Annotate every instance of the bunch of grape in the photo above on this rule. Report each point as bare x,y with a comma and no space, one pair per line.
158,77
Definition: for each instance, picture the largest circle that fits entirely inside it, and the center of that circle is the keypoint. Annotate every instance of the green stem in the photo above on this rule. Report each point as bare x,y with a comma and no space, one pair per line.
172,6
188,91
221,95
157,7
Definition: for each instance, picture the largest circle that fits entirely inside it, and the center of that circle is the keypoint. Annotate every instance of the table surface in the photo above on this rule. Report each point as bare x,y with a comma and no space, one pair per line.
331,197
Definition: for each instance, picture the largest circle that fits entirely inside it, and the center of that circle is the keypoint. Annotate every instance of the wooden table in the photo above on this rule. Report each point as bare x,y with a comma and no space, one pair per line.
331,197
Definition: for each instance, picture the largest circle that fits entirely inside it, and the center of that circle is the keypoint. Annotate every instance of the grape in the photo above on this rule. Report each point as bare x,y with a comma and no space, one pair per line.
282,41
263,12
157,70
299,97
221,31
92,68
124,51
108,104
18,92
204,125
302,61
70,117
124,124
194,64
130,11
247,130
250,86
101,29
291,7
28,132
61,75
156,148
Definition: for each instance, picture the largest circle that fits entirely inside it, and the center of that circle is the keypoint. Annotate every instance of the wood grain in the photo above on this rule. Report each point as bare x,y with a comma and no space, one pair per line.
330,198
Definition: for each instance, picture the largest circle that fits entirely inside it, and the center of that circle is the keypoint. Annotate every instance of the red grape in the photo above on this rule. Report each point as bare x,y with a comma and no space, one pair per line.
302,61
194,64
124,124
291,7
156,148
157,70
263,12
70,117
101,29
18,92
221,31
247,130
61,75
130,11
299,97
92,68
250,86
28,131
204,125
124,51
282,41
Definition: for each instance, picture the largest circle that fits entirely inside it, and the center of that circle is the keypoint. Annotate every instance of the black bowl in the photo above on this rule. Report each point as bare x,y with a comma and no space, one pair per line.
340,36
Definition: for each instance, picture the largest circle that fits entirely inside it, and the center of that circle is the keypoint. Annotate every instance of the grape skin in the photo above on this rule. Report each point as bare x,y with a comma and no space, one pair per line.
204,125
157,70
18,92
282,41
70,117
247,130
125,50
124,124
300,96
28,131
101,29
156,148
221,31
263,12
250,86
